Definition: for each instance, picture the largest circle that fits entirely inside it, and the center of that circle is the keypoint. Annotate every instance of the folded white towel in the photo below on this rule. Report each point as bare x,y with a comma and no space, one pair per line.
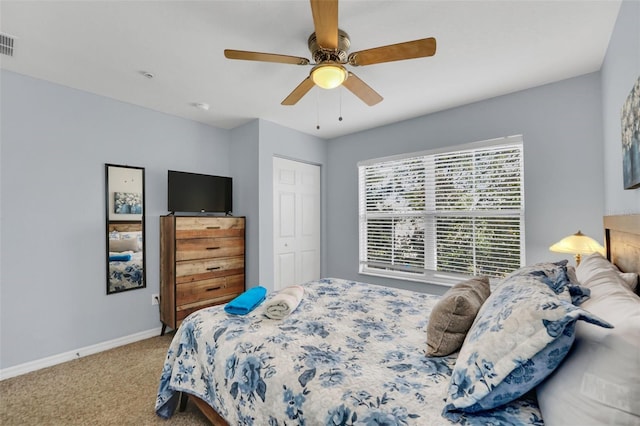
284,302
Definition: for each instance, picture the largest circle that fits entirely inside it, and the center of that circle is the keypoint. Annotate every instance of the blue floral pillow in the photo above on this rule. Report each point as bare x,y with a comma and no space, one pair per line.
522,332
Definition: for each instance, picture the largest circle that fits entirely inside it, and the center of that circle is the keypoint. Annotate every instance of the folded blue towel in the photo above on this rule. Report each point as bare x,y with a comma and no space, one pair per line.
247,301
120,257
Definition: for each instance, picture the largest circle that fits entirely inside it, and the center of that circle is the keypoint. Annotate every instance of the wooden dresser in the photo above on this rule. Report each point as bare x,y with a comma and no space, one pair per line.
201,264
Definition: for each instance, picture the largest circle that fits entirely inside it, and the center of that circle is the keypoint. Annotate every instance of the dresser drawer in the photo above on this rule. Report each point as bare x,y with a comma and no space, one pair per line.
198,291
183,311
204,248
203,227
196,270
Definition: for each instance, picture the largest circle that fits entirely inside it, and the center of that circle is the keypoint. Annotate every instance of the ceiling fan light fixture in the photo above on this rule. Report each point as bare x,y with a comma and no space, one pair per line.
329,76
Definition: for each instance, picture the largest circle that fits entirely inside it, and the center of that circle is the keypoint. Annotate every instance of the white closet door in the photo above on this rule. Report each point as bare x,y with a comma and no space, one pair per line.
296,222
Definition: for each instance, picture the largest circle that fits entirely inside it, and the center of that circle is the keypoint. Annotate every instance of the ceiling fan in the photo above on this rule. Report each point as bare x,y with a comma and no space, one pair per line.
329,46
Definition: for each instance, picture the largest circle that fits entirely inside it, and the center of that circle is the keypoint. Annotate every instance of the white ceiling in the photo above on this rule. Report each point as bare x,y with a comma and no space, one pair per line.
485,48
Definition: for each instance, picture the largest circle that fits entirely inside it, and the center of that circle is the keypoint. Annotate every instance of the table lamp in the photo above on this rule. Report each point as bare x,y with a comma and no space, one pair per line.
577,244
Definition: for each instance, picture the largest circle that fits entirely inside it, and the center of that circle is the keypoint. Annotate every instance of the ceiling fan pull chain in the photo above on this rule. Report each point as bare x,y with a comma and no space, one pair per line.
340,107
317,109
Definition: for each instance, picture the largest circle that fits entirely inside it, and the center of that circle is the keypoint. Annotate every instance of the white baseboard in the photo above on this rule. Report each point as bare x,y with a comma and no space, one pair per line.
30,366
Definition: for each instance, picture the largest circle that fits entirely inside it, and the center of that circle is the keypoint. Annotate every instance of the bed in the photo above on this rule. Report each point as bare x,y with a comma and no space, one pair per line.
354,353
125,270
125,255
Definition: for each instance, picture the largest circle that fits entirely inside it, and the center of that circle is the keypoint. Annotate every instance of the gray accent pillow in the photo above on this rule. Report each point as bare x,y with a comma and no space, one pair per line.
453,315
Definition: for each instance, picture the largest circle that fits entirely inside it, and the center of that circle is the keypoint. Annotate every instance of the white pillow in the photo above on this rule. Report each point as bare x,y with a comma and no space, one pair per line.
595,263
598,382
630,278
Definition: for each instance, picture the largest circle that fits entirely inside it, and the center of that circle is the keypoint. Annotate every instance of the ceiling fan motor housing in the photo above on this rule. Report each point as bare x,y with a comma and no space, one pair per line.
321,54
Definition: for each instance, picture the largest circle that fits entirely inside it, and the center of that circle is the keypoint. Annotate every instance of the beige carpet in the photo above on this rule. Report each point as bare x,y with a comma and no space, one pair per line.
115,387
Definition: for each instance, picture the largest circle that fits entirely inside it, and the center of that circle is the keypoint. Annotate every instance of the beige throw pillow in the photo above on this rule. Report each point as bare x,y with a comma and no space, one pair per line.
123,245
452,317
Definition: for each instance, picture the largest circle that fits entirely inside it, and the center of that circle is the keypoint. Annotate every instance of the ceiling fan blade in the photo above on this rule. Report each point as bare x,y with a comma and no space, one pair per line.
264,57
325,21
395,52
299,92
362,90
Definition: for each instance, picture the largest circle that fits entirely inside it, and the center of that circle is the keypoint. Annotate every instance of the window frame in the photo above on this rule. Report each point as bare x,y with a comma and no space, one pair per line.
425,274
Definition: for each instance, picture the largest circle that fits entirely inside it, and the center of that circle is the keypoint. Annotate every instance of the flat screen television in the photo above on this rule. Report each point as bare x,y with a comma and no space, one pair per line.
194,192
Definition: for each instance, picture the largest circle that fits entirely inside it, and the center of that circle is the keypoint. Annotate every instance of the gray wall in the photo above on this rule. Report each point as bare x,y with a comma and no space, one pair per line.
253,147
561,127
55,142
620,70
244,162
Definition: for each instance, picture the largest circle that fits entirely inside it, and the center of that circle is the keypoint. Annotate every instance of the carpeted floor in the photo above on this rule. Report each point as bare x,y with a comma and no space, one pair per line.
115,387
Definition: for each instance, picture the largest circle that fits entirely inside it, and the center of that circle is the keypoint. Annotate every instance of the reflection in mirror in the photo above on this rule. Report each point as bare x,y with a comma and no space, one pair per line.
125,228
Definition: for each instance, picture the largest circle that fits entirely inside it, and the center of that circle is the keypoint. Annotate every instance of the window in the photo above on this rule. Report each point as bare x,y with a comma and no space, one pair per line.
435,215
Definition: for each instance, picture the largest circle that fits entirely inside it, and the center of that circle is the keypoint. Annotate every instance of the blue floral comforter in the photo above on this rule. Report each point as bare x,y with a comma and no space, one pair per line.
351,354
127,274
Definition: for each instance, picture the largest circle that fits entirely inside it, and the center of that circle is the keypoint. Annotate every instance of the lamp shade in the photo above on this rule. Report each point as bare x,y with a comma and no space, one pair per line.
577,243
329,76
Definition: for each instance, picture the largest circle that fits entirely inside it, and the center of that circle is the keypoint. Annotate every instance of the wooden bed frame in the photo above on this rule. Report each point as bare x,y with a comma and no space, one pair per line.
204,408
622,243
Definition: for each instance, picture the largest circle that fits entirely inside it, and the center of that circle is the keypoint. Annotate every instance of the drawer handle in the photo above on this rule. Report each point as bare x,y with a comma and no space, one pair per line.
213,288
213,268
213,227
213,248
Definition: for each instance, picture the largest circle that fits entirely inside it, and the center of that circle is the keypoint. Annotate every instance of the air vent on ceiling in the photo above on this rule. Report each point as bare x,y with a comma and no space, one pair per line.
6,44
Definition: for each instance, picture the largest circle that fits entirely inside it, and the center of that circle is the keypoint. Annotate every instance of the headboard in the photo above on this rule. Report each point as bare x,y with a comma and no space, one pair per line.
125,226
622,241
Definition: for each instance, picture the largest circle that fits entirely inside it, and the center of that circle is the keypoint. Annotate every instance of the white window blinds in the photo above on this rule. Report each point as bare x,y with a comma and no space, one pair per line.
450,212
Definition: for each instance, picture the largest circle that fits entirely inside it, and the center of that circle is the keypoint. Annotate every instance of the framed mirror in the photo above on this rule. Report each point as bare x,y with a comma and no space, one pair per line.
125,241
